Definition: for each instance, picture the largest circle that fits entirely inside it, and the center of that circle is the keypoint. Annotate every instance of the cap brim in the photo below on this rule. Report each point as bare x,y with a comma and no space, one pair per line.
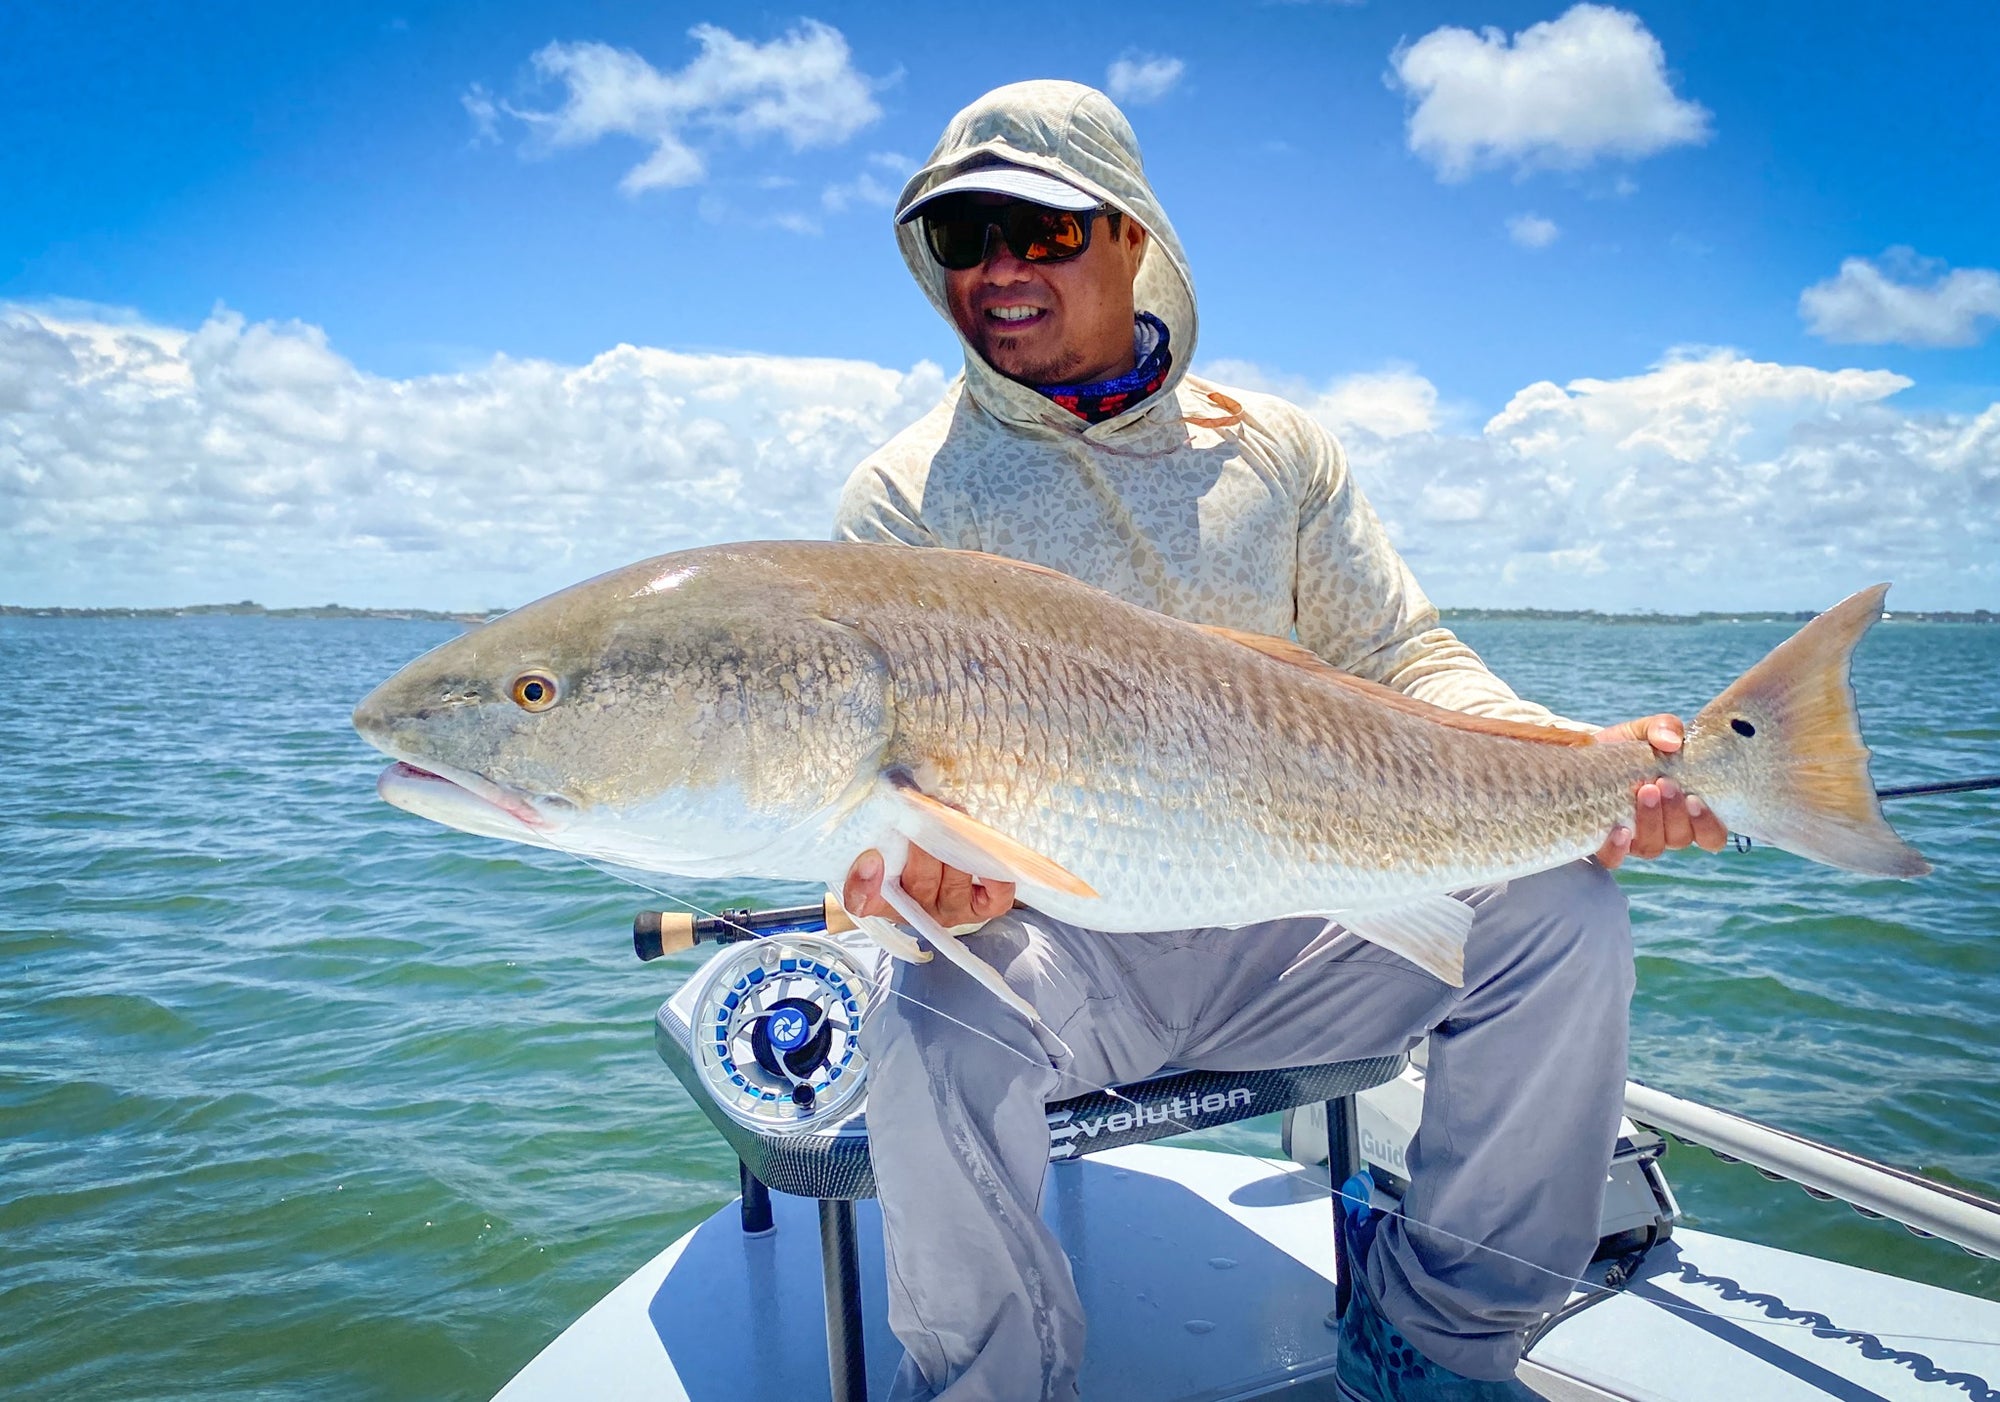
1016,181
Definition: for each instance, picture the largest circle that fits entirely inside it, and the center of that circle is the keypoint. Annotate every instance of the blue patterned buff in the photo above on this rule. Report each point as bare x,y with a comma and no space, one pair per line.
1107,399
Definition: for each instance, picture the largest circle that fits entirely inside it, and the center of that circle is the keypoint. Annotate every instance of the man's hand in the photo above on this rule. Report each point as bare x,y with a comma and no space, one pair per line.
1663,818
952,897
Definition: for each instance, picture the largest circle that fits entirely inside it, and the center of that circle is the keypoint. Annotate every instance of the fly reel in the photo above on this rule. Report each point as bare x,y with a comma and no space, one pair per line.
777,1031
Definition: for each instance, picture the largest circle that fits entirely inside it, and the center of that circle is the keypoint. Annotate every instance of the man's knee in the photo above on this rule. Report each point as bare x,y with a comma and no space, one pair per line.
937,1017
921,1005
1576,921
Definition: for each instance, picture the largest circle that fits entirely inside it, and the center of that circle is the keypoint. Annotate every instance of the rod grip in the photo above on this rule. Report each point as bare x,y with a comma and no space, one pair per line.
657,933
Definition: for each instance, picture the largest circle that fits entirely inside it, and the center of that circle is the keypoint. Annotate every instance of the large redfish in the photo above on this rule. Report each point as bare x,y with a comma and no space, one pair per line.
772,710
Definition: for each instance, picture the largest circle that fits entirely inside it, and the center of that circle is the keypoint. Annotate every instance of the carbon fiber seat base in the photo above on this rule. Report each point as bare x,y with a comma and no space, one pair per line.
833,1163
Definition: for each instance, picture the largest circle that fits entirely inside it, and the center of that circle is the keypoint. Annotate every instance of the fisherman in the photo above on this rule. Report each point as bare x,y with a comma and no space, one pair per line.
1078,439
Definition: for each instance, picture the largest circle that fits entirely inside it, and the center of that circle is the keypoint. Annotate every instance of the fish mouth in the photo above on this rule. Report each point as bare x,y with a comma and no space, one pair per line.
464,801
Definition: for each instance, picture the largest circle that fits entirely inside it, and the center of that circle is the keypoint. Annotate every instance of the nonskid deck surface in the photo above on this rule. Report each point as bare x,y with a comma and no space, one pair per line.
1203,1276
1208,1275
1713,1319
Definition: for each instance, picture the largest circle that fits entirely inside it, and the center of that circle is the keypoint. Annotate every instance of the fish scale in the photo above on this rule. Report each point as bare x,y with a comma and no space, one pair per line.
773,709
1306,790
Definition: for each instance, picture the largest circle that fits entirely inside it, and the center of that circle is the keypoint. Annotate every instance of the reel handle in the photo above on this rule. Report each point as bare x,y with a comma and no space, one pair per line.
657,933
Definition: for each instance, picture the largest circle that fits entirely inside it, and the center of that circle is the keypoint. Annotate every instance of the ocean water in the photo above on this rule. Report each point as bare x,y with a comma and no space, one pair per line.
304,1097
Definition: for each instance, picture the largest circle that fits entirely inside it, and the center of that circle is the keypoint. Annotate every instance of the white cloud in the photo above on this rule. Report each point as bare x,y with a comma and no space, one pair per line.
1140,78
1710,481
801,88
485,114
142,464
1387,403
864,189
877,184
1532,231
1560,95
1905,300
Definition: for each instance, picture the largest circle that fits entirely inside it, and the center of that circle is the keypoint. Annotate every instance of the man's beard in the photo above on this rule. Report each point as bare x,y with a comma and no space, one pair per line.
1059,368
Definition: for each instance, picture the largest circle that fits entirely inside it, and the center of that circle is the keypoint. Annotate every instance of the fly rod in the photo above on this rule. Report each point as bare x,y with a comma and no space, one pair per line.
1990,781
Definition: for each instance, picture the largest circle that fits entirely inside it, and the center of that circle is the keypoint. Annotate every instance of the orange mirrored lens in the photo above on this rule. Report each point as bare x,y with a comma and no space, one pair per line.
1048,234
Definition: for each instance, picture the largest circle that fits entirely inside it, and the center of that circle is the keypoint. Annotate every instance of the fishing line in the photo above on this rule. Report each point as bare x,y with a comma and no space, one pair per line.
1738,842
1973,829
881,985
633,877
1943,787
1596,1293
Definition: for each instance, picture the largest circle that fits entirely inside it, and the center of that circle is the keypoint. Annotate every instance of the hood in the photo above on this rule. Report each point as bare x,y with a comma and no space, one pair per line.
1077,134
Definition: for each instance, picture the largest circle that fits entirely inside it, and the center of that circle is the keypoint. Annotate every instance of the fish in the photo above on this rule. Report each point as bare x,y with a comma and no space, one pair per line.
773,709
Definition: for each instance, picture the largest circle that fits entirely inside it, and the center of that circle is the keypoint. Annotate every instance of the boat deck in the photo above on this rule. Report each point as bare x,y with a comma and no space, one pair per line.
1208,1276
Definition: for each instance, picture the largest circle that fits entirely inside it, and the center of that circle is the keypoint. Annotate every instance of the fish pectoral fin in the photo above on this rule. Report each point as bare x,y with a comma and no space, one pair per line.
1429,932
1319,944
960,840
949,945
892,937
885,932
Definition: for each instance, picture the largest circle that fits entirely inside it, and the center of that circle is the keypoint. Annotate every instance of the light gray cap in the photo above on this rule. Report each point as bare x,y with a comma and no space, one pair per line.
1003,179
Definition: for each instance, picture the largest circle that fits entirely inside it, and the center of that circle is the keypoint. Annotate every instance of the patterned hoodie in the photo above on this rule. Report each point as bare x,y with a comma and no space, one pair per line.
1214,505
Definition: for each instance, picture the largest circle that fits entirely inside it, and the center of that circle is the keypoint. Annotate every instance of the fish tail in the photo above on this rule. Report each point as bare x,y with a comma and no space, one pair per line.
1779,755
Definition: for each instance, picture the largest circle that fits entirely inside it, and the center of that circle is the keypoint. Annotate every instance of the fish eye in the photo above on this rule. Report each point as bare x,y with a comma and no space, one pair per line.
534,691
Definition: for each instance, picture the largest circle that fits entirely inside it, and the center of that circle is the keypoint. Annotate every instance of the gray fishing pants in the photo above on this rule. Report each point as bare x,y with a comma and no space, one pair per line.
1525,1083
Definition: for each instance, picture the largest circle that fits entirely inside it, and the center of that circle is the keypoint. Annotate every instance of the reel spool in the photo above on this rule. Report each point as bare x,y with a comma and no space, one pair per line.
777,1031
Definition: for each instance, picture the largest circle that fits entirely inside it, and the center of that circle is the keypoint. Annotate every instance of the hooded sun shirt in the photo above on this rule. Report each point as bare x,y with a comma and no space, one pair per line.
1215,505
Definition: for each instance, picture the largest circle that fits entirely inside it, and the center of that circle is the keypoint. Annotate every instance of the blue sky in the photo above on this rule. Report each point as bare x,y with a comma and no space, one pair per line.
326,173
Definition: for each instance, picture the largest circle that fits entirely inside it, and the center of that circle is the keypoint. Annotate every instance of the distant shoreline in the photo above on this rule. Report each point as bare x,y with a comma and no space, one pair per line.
1731,616
247,609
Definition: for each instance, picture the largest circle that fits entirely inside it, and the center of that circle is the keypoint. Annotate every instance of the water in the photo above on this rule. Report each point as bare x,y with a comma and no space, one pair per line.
304,1097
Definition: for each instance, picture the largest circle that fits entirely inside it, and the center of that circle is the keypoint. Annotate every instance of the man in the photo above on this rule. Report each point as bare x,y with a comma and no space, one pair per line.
1077,439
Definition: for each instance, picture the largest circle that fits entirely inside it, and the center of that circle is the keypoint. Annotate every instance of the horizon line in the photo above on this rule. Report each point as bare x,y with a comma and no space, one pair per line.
249,608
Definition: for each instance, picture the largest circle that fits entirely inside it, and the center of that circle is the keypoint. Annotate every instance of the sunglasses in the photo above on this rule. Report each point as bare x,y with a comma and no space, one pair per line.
958,230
